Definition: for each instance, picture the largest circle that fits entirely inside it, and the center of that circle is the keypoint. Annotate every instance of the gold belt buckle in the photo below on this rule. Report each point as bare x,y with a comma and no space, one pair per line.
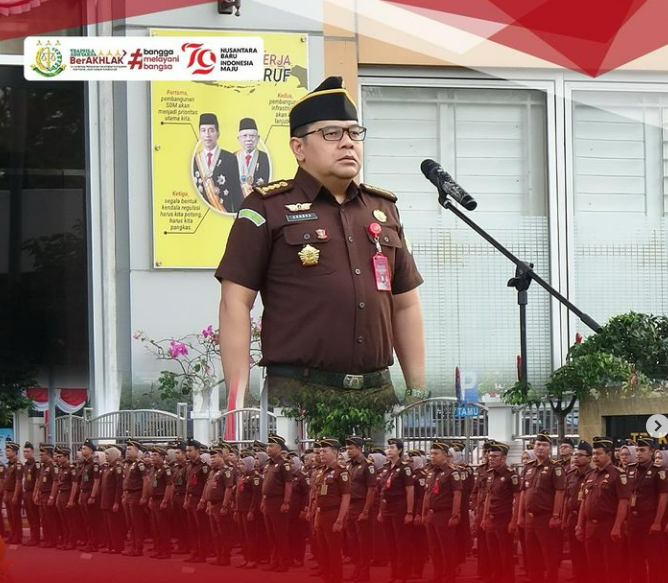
353,381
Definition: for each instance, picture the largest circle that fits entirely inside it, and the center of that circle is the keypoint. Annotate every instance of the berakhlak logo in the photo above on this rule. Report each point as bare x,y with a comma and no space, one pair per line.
202,59
49,59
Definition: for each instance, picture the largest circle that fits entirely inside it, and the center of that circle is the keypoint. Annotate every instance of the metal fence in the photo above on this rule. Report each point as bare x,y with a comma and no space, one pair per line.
531,419
242,426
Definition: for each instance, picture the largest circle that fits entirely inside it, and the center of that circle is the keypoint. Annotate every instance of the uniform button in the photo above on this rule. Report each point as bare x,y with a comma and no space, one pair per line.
360,339
350,239
358,272
386,239
307,236
361,305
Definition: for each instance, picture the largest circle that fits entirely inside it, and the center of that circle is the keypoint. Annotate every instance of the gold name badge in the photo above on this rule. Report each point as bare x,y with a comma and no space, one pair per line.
309,256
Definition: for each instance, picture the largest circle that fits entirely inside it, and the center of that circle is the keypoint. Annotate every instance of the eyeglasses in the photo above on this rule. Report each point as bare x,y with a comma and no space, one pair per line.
335,133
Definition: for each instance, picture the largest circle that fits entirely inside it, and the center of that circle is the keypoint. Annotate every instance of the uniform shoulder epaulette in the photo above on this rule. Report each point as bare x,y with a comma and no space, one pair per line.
275,187
375,191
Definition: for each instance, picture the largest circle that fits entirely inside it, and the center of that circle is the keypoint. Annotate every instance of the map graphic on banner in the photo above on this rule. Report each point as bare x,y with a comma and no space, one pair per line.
213,141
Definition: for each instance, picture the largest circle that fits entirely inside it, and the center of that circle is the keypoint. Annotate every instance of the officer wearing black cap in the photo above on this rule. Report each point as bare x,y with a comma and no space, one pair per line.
329,258
31,468
566,448
89,488
13,491
179,516
215,170
45,496
478,504
197,474
135,496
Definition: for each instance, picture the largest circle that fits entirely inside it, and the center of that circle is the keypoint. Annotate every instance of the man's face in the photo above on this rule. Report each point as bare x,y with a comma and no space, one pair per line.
437,456
217,459
496,459
44,457
156,458
329,159
581,458
643,454
208,134
353,451
565,451
28,453
86,451
273,450
248,140
10,453
600,457
329,455
542,449
179,455
132,452
192,452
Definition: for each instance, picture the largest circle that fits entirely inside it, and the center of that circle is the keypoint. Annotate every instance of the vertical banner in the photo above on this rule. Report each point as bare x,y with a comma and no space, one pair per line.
213,141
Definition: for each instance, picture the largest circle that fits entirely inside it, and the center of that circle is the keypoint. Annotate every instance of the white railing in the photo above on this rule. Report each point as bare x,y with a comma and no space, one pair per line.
531,419
242,426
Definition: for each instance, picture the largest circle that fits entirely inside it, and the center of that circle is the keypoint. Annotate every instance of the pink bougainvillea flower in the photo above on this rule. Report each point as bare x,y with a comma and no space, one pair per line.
177,349
208,331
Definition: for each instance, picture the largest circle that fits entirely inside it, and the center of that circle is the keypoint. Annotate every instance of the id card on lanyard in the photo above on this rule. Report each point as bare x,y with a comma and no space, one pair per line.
380,263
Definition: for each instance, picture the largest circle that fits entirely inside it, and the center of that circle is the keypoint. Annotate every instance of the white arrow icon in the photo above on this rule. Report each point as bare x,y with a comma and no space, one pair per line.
657,426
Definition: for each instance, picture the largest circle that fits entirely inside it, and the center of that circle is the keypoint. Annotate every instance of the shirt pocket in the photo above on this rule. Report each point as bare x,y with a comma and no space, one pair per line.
390,242
308,250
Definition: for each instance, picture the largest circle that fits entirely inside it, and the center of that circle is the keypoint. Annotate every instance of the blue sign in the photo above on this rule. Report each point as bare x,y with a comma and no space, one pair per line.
467,410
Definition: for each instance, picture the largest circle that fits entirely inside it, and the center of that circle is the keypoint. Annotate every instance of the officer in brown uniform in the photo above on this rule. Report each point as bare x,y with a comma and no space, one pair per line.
31,469
276,494
606,496
396,508
3,474
478,504
219,495
500,514
248,498
197,473
332,502
66,518
110,500
362,494
329,258
541,504
467,476
649,487
566,449
45,495
297,525
89,488
418,551
441,512
161,493
179,524
135,495
13,491
575,480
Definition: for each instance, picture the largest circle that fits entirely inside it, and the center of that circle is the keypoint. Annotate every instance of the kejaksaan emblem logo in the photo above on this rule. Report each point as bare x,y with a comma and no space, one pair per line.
49,60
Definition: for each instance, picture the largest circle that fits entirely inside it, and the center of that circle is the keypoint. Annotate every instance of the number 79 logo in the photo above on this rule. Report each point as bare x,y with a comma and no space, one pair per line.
203,59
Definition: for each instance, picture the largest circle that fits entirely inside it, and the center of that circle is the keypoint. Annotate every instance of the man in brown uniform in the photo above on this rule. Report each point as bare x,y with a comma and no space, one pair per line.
110,500
89,488
362,494
329,258
197,473
161,492
441,512
247,511
602,513
541,504
276,494
218,495
566,449
66,516
135,494
500,514
12,492
179,524
45,496
649,486
31,469
332,502
478,504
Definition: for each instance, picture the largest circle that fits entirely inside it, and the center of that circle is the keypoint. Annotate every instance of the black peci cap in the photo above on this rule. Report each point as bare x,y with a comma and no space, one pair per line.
603,442
247,123
584,446
208,119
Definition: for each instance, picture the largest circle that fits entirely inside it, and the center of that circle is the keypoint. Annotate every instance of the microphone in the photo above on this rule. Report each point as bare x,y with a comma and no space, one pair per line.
434,172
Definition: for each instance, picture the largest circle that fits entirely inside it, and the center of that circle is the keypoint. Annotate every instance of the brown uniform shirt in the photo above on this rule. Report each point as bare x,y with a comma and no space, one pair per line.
111,485
90,471
47,474
249,492
133,476
161,477
31,470
13,475
419,489
647,483
394,480
197,473
541,482
277,473
338,295
502,485
179,477
335,483
603,489
442,483
362,477
467,477
301,484
574,495
66,477
479,492
219,481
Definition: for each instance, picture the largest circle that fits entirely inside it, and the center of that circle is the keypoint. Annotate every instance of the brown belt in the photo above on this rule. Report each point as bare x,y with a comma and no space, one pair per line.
331,379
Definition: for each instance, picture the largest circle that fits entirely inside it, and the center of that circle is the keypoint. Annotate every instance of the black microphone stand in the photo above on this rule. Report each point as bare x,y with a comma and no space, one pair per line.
524,275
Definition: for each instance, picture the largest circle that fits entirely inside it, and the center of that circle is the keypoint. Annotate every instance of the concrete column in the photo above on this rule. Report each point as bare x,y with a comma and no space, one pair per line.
206,410
286,428
501,426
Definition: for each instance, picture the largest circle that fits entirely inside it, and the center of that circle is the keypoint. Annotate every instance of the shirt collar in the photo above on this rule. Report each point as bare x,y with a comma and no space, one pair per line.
312,188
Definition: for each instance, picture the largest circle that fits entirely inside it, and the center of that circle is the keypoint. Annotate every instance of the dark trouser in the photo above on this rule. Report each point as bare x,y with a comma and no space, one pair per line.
648,550
198,525
14,518
91,519
221,531
418,550
359,537
67,520
542,546
441,546
114,524
397,540
483,553
161,526
500,548
578,555
463,534
138,520
277,531
378,535
32,512
297,532
330,543
179,521
48,516
606,552
248,530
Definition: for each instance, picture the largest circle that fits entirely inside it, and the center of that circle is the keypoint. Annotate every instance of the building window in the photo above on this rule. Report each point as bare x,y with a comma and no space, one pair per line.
493,141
